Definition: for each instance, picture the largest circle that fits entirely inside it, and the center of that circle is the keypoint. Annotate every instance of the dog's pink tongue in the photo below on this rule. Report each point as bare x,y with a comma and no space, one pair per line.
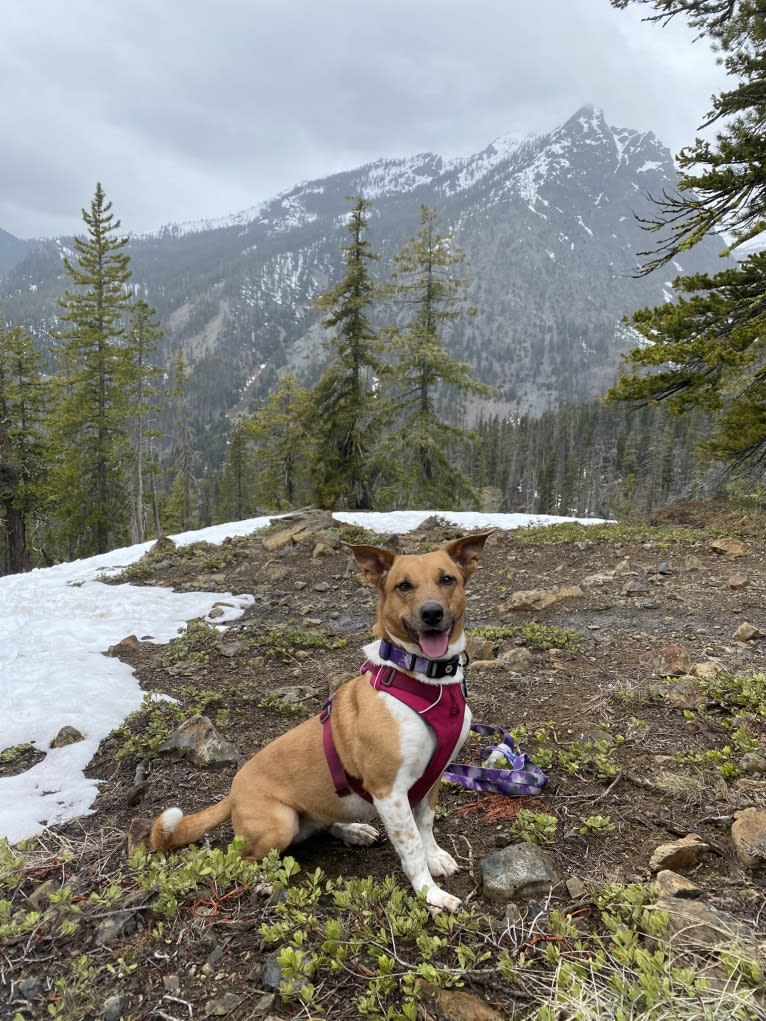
434,643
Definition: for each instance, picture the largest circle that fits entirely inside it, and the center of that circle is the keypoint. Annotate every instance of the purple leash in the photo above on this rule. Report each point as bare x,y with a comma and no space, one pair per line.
521,776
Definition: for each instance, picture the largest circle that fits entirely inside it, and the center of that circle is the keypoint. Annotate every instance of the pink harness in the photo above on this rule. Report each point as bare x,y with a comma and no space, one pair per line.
442,706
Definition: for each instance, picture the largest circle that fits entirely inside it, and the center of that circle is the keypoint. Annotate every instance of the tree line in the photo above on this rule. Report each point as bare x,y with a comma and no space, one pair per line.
80,464
371,433
593,459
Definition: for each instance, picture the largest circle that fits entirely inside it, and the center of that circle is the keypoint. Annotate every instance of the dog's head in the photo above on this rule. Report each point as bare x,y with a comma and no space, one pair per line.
422,597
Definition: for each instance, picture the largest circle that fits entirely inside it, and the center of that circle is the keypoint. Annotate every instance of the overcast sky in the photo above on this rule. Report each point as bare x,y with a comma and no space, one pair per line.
188,109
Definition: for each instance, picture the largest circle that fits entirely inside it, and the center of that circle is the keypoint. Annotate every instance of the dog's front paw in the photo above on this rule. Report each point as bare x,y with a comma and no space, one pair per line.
357,834
440,863
439,900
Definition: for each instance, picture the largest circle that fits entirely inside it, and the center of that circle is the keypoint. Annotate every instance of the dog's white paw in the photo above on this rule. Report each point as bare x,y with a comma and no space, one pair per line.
440,863
439,900
356,834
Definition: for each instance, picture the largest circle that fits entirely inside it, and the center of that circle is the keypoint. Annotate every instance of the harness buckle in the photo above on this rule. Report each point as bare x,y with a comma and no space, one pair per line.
324,712
386,677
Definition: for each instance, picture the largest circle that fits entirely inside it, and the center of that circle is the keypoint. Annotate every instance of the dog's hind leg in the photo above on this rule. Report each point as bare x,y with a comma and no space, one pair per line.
266,826
354,833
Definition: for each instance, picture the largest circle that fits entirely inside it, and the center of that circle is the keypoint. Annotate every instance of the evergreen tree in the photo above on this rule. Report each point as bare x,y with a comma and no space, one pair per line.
284,447
419,455
344,402
706,350
23,404
179,514
722,184
236,482
142,377
89,421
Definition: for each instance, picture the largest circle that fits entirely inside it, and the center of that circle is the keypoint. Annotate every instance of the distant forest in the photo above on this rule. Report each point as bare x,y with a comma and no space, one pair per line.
593,459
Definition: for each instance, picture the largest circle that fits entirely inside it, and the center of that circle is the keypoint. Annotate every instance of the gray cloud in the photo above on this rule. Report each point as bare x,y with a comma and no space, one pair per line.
188,109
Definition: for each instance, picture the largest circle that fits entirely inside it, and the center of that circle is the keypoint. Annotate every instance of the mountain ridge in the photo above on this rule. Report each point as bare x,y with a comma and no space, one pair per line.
549,224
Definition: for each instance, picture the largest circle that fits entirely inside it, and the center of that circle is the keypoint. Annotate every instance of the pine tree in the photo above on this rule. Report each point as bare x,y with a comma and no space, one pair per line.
706,350
420,455
178,512
23,405
142,378
344,400
283,446
722,185
89,422
236,483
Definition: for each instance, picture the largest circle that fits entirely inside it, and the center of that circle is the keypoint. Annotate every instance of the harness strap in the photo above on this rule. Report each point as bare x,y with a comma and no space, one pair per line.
339,775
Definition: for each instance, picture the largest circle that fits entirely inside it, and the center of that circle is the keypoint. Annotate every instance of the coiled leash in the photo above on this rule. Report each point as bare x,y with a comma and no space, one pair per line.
521,777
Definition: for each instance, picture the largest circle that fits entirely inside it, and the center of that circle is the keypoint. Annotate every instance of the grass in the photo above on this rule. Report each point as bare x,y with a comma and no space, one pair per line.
538,636
368,946
617,531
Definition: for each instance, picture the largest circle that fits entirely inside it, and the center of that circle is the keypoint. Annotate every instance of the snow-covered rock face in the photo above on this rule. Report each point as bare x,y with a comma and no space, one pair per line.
550,225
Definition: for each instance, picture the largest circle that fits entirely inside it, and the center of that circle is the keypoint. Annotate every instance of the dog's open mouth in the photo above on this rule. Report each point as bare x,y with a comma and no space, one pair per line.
433,643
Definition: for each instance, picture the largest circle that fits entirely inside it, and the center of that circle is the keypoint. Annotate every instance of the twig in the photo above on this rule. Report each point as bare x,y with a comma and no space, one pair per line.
603,794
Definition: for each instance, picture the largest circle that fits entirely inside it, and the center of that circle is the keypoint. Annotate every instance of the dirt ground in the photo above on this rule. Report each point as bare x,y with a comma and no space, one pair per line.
588,701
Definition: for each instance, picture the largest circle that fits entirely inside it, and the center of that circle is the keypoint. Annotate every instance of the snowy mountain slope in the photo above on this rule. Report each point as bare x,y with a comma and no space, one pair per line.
549,224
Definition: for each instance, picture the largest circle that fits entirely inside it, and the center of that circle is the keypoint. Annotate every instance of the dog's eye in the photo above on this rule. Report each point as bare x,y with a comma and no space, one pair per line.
447,579
403,586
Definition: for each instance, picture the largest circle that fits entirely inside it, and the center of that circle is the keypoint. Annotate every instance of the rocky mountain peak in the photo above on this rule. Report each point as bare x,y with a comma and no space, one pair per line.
548,222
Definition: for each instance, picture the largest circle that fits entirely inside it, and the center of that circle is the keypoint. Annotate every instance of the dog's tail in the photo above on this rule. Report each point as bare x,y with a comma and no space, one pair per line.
174,829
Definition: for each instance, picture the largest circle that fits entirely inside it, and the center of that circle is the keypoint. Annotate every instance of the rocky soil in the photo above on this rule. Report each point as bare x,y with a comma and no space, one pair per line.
616,670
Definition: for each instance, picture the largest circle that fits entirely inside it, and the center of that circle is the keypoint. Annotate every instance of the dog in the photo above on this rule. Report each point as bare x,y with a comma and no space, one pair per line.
373,750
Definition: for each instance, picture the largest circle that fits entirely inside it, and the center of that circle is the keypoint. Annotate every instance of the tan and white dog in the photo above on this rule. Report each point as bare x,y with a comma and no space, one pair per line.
286,791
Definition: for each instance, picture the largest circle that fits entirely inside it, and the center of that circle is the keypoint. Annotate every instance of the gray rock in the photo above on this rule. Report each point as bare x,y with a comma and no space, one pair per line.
517,659
67,735
576,888
695,923
29,988
752,764
199,741
271,975
598,580
747,633
531,599
112,1008
115,927
636,587
478,647
223,1005
262,1006
518,871
231,649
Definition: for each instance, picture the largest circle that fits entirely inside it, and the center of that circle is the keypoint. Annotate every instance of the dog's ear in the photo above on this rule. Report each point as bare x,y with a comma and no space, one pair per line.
466,551
375,561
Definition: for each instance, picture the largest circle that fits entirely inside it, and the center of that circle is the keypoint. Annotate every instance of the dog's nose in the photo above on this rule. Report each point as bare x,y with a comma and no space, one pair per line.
432,614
